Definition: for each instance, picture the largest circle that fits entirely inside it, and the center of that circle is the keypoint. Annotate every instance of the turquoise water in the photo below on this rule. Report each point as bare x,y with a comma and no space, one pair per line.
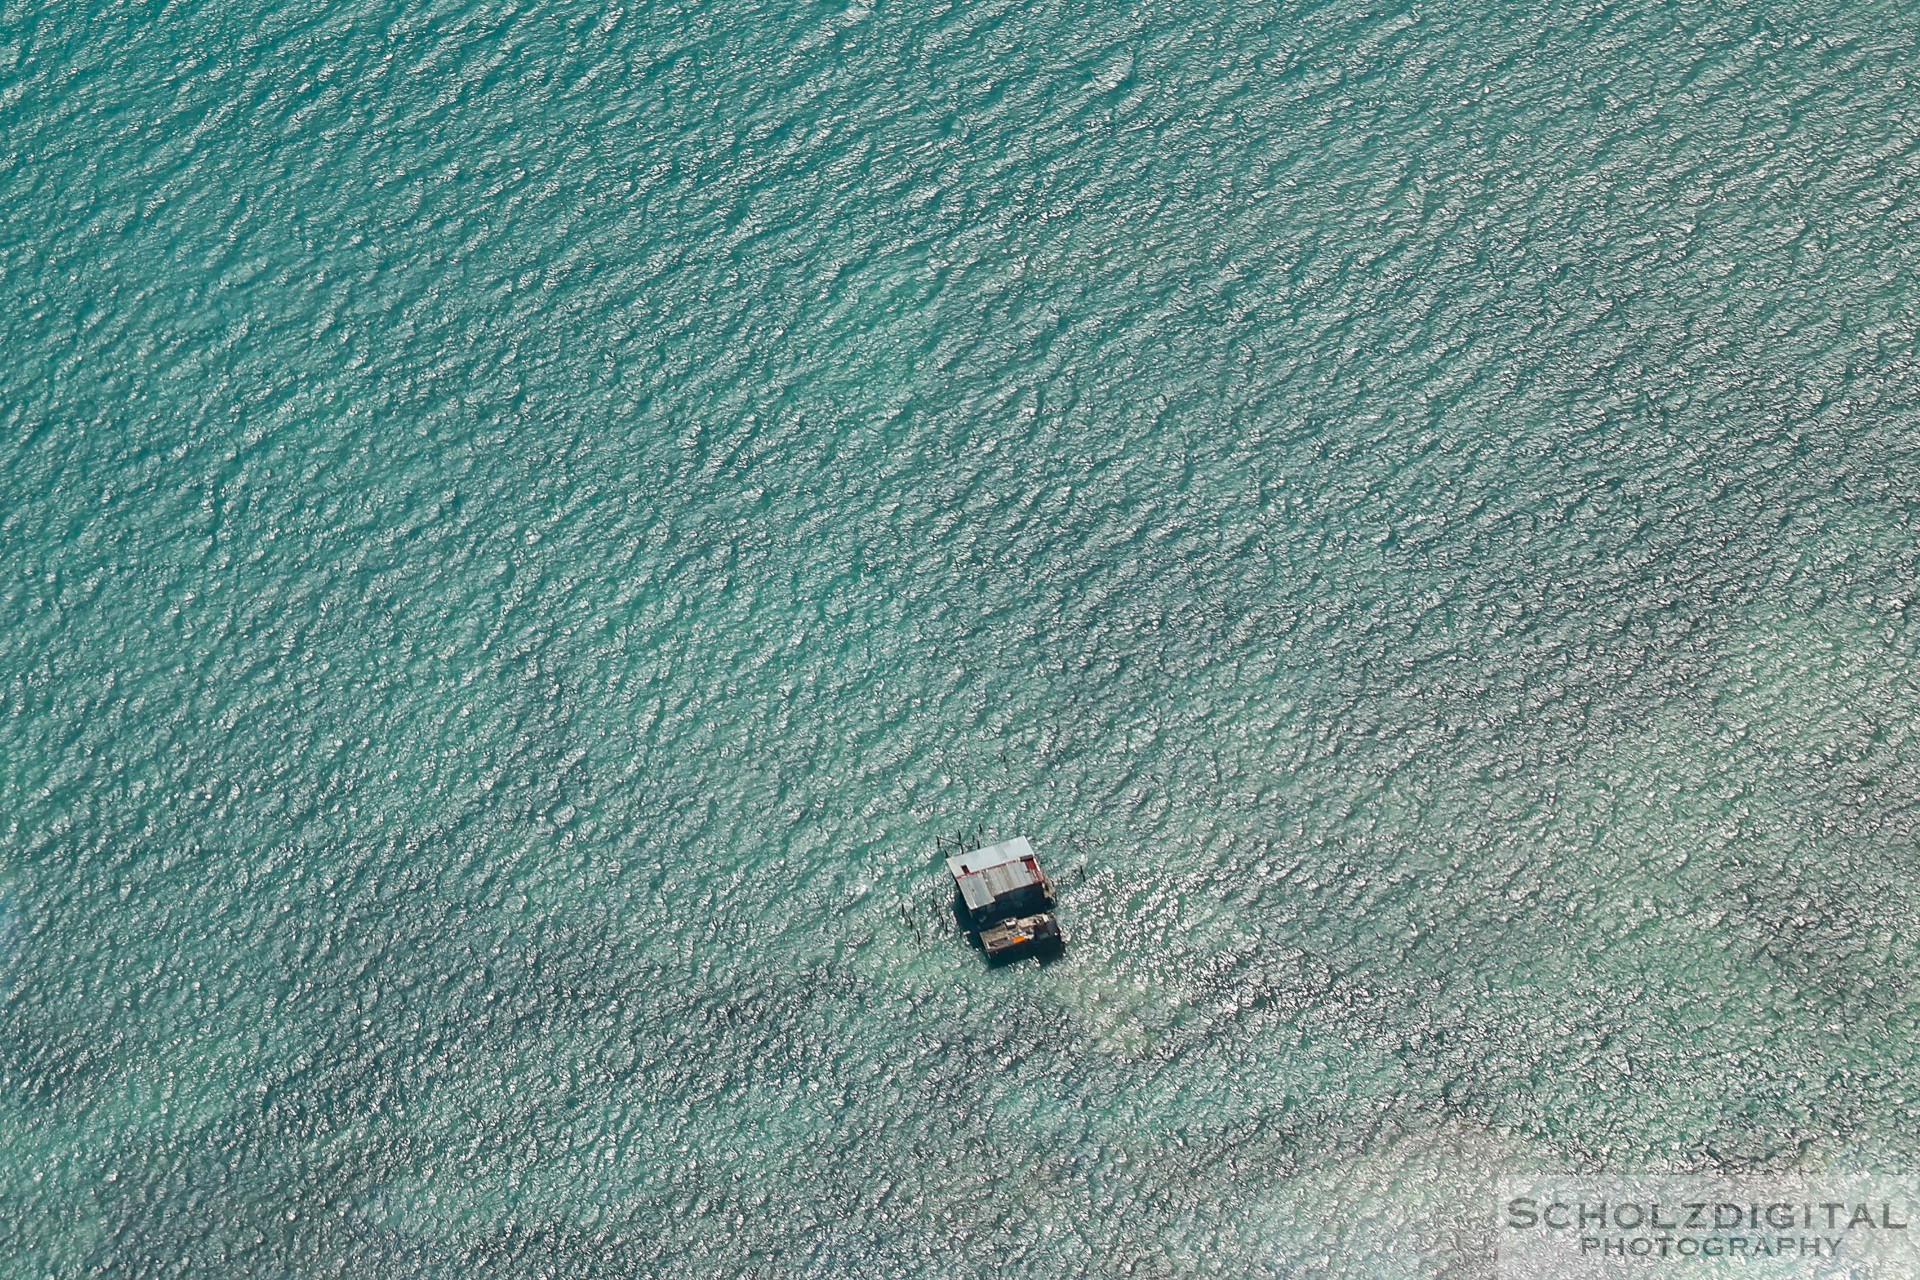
521,524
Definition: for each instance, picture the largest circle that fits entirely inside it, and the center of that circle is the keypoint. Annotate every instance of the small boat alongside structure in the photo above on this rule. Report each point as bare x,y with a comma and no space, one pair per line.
1007,897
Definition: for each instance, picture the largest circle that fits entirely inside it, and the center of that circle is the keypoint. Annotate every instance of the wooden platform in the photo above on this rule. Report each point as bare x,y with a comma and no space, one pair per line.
1022,933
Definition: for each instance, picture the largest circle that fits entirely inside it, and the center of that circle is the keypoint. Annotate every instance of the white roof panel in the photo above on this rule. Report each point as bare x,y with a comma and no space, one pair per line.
993,855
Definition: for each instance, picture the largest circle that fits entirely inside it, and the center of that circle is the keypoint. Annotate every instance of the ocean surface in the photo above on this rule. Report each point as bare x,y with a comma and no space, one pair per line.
521,524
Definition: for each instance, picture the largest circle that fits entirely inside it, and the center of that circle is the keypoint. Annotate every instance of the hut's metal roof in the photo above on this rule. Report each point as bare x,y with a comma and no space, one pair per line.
984,888
993,855
997,871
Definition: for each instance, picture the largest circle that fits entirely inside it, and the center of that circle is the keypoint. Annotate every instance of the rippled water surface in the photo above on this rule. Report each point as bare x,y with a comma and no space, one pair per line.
521,523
